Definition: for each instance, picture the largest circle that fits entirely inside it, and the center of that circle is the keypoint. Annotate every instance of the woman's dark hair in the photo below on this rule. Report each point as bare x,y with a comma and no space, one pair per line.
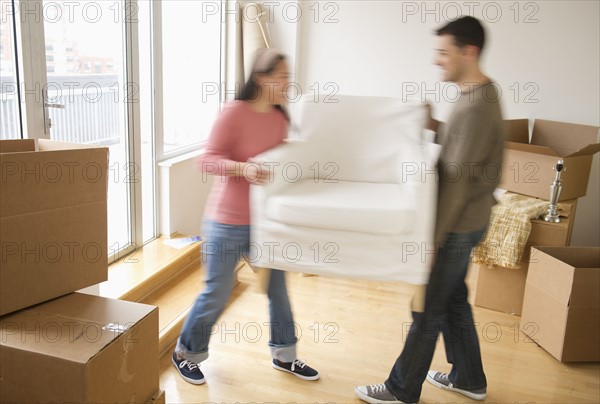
265,62
466,31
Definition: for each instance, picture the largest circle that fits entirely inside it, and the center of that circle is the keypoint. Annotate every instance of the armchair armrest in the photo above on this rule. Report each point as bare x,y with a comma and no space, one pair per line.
289,163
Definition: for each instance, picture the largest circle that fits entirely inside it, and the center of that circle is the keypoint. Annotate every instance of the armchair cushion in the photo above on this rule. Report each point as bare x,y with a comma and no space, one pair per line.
345,205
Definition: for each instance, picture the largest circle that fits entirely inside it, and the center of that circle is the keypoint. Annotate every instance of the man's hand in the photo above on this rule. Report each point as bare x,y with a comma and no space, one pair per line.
431,124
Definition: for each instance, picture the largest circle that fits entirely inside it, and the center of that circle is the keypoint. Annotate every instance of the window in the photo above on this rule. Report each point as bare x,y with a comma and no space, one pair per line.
95,104
191,76
99,92
10,105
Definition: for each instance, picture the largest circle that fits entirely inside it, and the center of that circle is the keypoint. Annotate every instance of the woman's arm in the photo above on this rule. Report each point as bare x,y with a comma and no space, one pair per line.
216,159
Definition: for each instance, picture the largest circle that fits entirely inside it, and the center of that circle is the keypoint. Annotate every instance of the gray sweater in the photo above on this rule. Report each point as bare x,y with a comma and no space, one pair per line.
470,162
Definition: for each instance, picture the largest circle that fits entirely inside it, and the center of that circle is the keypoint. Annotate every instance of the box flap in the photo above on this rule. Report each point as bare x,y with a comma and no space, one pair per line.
565,138
586,151
543,319
569,274
530,148
517,130
38,181
586,288
74,327
49,145
582,335
17,145
550,274
567,333
576,257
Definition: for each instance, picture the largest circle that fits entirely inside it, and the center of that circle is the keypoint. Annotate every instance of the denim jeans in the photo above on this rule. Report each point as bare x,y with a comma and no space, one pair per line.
448,311
222,249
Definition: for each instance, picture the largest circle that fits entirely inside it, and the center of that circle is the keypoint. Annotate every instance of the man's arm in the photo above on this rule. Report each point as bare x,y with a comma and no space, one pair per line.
459,167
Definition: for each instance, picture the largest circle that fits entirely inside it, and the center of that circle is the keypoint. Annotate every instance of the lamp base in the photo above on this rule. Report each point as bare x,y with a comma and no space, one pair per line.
552,218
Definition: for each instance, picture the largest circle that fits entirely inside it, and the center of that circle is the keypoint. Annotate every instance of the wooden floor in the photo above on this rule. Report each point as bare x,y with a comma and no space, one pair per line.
352,332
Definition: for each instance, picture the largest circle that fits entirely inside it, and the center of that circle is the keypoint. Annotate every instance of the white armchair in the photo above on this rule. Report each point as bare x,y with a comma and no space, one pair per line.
354,197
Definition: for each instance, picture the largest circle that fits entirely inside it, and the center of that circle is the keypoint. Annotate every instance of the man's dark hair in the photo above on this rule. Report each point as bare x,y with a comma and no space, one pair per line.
466,31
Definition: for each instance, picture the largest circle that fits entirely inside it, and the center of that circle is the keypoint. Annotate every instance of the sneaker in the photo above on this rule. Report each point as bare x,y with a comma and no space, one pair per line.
439,379
297,368
190,371
376,394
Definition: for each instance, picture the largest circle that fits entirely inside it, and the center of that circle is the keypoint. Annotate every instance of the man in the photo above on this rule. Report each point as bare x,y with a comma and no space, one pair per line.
472,144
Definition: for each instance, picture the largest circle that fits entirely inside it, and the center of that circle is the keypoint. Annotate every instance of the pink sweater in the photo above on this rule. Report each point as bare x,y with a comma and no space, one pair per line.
238,134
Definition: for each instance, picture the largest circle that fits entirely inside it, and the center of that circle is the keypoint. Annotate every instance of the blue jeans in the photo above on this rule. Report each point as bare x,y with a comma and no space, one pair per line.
224,246
448,311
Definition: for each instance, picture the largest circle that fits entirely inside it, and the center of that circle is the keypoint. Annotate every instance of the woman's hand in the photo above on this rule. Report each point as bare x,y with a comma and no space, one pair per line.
255,172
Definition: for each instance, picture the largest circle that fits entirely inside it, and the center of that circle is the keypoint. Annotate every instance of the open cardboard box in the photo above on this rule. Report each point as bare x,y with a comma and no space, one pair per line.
80,348
561,309
528,167
53,224
502,289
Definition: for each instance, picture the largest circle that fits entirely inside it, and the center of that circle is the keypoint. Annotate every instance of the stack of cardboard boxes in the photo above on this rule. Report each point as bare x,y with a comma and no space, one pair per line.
528,170
57,345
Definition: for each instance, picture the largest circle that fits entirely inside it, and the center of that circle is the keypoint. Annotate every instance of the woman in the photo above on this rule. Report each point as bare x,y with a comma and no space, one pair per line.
252,124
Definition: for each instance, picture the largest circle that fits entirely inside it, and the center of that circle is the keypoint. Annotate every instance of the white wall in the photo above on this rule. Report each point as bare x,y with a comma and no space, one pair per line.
183,192
545,55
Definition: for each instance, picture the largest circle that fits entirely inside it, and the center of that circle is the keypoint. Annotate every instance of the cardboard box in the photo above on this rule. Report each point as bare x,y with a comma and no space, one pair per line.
561,310
53,237
502,289
528,167
80,349
158,398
